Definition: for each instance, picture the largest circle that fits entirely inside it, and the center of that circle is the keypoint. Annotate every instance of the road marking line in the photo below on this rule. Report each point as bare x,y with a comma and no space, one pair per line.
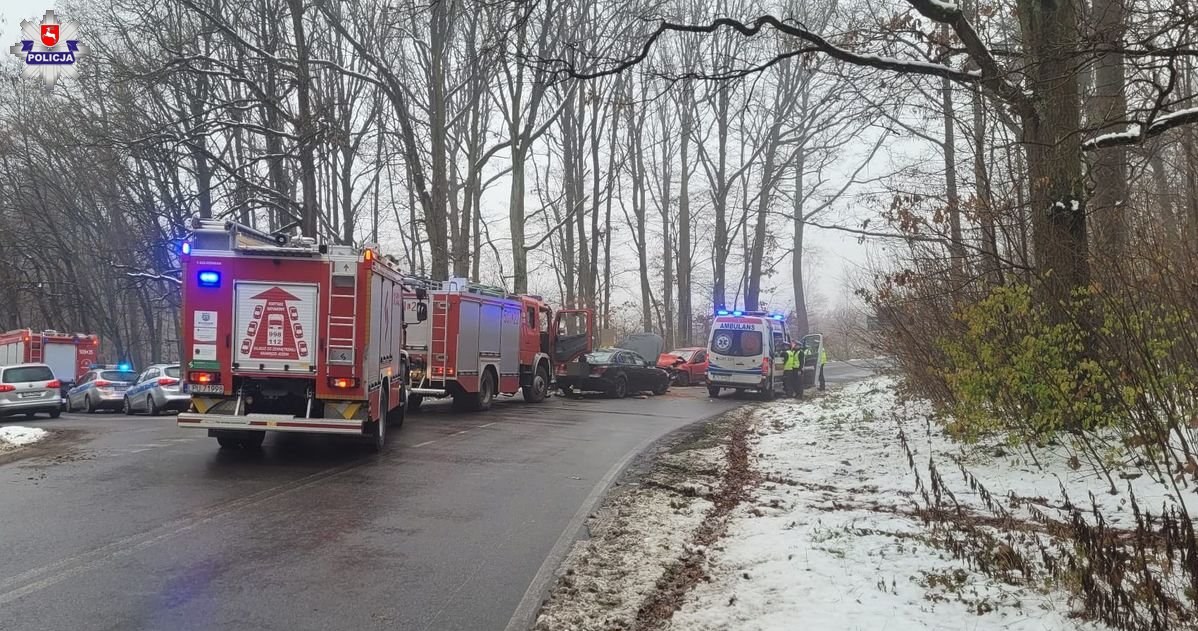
487,425
45,576
427,442
137,451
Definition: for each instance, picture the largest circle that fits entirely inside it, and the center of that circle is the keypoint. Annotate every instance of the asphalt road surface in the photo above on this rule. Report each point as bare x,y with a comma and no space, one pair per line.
131,523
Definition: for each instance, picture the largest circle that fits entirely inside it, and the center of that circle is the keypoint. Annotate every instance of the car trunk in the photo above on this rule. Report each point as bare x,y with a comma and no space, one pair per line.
28,383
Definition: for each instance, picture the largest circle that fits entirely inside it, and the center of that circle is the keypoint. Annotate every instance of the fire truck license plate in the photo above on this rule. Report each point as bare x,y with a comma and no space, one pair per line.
209,388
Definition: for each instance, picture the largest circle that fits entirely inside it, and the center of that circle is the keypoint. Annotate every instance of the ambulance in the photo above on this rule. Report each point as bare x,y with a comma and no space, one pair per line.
747,351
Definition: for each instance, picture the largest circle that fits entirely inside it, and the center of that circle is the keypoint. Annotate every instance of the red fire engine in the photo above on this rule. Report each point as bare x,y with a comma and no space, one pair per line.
482,341
285,335
67,354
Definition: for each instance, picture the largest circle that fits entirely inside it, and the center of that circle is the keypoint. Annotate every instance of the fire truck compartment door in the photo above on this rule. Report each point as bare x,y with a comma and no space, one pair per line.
275,327
60,357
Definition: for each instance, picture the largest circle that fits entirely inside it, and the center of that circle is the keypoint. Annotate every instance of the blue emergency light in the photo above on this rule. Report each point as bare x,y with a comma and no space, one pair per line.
209,278
186,247
777,316
722,312
125,367
738,313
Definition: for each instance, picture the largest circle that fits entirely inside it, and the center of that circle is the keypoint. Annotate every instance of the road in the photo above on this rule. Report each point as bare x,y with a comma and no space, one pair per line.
132,523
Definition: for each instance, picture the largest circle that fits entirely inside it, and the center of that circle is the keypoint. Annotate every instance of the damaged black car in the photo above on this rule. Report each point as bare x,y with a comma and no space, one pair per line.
619,372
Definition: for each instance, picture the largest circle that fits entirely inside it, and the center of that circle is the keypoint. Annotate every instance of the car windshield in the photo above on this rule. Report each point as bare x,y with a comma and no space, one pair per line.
600,357
683,354
118,375
172,371
736,342
26,374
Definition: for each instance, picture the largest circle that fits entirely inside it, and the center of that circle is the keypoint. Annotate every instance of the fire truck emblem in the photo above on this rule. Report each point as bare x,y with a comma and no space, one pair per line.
275,332
50,49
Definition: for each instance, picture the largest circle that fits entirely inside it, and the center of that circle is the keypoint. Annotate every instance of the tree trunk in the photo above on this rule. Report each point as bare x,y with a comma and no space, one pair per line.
1052,145
308,220
1108,108
684,332
956,245
801,321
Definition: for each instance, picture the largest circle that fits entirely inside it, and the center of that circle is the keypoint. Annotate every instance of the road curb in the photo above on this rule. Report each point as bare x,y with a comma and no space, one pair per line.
530,604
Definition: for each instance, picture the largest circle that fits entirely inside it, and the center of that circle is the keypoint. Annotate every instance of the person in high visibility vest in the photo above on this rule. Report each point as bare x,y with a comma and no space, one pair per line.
792,375
823,359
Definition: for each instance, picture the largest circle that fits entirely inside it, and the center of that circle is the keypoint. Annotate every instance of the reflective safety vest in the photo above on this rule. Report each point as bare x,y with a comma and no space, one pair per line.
823,355
793,360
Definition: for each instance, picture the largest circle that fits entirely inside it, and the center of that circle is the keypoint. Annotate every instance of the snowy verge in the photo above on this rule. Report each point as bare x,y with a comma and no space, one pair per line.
833,536
13,436
643,527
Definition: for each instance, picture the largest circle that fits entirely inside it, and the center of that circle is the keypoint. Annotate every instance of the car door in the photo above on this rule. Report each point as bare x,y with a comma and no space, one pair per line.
137,394
75,395
698,365
638,372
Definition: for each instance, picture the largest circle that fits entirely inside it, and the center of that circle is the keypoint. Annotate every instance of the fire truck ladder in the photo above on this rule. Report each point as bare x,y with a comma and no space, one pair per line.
438,347
35,349
342,318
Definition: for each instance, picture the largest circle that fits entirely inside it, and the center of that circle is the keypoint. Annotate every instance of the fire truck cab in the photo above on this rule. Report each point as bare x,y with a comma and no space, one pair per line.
482,341
285,335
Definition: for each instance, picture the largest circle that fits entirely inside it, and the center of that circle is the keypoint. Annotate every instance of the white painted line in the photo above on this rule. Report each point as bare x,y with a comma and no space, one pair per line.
487,425
427,442
137,451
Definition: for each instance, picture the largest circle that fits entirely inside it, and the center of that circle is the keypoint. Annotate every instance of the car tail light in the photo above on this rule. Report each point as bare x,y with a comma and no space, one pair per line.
101,383
561,369
5,387
343,382
54,384
765,365
167,381
203,377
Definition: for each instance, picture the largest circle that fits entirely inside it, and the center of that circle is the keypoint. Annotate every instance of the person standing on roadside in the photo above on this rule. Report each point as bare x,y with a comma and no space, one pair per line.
792,375
823,359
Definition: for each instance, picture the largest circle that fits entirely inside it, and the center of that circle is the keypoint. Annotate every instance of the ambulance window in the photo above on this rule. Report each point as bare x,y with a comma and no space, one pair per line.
736,342
779,341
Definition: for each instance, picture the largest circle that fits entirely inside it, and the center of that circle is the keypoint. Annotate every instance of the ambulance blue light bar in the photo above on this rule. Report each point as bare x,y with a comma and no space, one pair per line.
738,313
208,278
778,316
186,247
722,312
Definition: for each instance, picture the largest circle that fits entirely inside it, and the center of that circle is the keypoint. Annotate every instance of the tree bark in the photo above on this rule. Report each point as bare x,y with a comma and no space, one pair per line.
1108,108
308,220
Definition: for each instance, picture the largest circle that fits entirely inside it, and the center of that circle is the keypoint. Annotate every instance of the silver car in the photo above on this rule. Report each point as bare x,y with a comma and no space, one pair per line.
100,389
29,389
156,391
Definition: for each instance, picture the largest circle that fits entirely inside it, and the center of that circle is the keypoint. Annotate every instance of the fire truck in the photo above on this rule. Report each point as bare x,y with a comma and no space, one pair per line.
482,341
67,354
285,335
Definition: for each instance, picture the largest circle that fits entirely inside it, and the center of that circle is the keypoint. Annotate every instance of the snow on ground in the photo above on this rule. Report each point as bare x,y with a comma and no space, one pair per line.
829,541
642,527
14,436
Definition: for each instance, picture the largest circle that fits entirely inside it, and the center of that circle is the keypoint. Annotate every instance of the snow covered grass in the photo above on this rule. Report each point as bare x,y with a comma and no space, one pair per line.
833,537
14,436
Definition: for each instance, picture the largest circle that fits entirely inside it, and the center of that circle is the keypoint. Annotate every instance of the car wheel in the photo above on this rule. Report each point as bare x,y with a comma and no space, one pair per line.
127,408
414,401
395,416
538,390
151,407
619,389
684,379
662,389
89,405
55,413
713,392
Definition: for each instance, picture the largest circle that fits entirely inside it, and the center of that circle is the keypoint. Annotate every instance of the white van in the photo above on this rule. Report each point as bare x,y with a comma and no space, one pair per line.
746,351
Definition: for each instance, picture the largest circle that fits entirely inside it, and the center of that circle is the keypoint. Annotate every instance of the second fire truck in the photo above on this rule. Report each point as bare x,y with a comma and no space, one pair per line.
481,341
